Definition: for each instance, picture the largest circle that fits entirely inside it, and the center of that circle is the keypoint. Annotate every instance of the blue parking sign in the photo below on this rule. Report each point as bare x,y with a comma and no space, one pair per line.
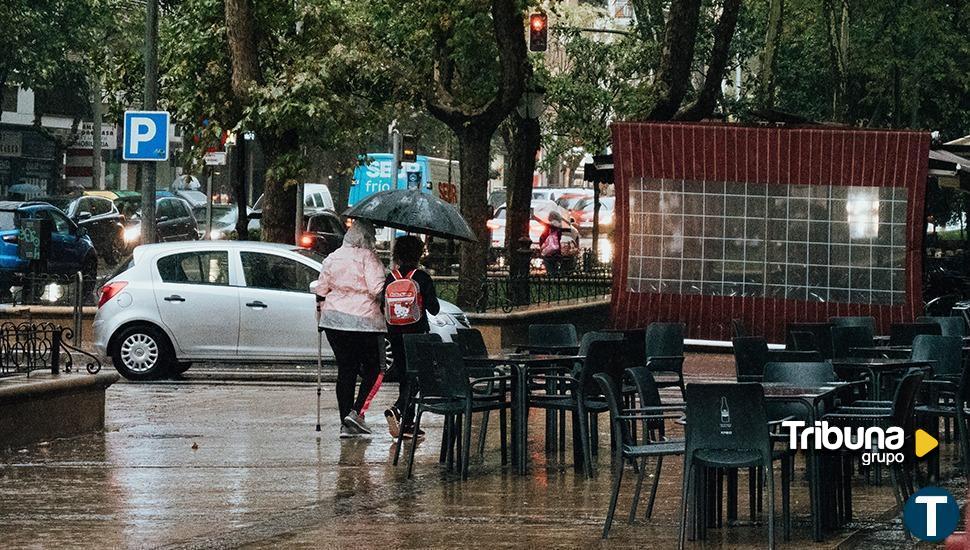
146,135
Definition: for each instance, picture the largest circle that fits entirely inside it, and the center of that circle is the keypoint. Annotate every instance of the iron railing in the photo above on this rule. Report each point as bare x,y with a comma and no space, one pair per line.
503,292
26,347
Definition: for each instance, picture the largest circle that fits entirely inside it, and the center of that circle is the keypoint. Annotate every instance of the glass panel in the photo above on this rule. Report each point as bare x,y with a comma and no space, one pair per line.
817,243
201,268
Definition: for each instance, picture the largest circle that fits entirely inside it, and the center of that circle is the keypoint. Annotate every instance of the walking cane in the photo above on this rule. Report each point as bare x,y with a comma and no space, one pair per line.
319,369
319,358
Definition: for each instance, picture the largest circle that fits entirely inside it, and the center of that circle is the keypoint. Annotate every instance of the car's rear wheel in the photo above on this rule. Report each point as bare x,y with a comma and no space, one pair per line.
142,352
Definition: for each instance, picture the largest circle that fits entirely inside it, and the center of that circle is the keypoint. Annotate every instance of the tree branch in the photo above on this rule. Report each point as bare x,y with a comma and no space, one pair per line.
678,54
706,100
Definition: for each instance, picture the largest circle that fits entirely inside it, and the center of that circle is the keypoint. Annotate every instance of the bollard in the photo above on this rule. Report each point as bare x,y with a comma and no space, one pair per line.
78,308
56,351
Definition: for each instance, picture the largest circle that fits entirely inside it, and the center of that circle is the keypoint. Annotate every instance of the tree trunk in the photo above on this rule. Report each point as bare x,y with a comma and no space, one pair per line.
523,147
678,55
766,75
706,100
238,187
279,193
474,149
242,47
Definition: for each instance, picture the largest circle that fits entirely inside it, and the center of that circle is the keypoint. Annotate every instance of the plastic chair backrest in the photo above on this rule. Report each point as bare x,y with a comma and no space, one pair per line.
553,335
821,332
904,400
949,326
846,337
800,340
805,374
738,329
665,340
470,341
410,349
603,356
750,355
946,352
648,393
608,388
868,322
441,371
598,336
902,334
727,417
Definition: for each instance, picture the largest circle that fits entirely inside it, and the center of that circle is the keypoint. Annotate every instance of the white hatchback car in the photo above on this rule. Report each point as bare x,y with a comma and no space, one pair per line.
221,301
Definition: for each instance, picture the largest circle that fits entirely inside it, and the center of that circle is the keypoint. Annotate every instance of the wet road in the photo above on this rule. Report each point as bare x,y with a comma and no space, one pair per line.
193,465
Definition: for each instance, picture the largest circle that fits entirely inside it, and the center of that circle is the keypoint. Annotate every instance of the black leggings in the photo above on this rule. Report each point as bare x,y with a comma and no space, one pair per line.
357,353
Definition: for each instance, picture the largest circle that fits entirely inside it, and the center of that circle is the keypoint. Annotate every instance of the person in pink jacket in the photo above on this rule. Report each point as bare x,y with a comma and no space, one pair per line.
349,300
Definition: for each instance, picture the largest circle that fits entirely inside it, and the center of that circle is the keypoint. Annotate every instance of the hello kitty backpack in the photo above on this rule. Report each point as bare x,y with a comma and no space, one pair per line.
403,302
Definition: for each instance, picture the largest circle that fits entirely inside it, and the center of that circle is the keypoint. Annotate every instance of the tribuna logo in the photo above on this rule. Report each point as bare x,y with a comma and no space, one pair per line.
882,445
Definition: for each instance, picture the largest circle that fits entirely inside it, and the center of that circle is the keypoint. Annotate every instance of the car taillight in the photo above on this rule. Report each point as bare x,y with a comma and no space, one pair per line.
306,241
109,291
492,224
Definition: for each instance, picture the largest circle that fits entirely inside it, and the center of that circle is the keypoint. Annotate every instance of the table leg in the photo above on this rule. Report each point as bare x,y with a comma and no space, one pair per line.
523,418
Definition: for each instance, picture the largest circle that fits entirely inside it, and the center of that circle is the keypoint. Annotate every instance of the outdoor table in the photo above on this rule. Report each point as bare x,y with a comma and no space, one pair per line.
812,397
550,349
874,368
522,364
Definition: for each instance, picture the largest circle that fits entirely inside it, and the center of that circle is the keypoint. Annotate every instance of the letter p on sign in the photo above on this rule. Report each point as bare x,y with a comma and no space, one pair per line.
146,136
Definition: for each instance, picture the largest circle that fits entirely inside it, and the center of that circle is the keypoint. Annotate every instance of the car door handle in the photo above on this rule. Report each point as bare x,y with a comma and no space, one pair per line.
256,304
174,298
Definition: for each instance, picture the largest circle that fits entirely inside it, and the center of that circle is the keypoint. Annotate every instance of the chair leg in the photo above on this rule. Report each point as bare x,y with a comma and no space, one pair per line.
614,495
684,492
961,423
584,442
751,493
786,495
414,442
482,431
641,469
771,505
466,442
503,434
408,401
653,489
445,440
594,434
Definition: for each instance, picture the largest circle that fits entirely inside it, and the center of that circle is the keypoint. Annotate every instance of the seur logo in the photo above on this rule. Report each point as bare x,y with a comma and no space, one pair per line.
931,514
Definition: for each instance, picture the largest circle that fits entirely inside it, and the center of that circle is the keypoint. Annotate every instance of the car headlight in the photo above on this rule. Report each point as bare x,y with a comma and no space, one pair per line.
216,234
132,234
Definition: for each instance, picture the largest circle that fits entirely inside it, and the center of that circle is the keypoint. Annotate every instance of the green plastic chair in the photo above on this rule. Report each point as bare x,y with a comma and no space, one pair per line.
846,337
553,335
665,352
949,326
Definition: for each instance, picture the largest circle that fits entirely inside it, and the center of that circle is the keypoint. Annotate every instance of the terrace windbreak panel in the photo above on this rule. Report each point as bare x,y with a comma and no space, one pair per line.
766,225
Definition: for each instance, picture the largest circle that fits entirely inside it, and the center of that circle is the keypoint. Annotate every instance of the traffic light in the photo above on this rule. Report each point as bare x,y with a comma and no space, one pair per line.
409,148
538,30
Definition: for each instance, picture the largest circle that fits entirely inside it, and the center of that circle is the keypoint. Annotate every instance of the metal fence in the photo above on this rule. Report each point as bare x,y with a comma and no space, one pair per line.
503,292
26,347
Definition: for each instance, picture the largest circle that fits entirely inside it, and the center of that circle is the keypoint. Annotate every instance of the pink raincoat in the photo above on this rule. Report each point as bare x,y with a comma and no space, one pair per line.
352,279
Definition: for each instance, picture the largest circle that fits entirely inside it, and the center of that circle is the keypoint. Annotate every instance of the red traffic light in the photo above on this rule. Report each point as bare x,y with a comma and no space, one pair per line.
537,21
538,28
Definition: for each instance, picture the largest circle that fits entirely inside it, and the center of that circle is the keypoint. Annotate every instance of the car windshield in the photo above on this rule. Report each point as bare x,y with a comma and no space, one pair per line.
221,213
258,205
59,202
310,254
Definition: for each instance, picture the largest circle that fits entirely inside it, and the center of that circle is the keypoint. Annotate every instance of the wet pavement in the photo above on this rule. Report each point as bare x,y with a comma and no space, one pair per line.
201,465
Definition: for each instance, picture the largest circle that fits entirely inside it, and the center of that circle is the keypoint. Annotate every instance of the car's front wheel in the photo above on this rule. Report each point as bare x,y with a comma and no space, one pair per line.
142,352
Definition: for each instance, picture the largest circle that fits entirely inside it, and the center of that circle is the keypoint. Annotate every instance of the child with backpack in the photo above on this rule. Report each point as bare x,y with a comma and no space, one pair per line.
409,296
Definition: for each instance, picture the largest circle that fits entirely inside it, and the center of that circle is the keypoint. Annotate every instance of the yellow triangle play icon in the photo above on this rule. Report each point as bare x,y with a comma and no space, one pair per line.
925,443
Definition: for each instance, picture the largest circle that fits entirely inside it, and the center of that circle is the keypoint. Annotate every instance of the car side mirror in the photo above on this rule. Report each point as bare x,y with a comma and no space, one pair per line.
313,286
84,216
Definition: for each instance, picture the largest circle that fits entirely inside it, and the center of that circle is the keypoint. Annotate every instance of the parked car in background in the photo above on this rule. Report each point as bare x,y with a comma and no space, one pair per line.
316,198
71,248
173,222
100,218
223,219
231,301
584,218
540,210
324,233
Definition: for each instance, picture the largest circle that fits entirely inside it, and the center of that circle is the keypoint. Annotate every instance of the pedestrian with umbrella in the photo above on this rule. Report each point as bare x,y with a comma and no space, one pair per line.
350,285
409,296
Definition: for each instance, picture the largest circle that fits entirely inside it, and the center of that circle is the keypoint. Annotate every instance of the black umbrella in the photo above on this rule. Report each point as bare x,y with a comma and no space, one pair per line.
413,211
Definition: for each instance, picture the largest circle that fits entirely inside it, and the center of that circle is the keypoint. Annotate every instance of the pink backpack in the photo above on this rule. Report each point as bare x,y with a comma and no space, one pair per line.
403,302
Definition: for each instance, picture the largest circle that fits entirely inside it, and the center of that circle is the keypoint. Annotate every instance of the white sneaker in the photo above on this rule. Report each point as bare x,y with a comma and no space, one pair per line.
356,422
346,432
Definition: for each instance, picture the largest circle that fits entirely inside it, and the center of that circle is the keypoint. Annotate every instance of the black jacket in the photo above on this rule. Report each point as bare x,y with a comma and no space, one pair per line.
428,295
